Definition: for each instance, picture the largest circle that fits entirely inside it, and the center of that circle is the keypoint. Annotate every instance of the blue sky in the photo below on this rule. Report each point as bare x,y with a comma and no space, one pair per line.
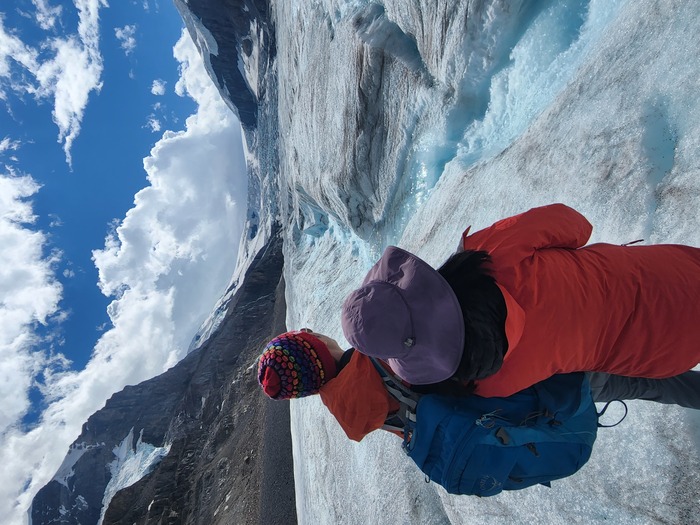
122,198
119,125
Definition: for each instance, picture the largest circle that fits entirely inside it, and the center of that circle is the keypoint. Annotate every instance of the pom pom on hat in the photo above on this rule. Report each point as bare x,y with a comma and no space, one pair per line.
295,364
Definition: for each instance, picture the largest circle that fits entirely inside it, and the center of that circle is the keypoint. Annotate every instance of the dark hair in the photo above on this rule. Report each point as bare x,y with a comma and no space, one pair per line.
484,313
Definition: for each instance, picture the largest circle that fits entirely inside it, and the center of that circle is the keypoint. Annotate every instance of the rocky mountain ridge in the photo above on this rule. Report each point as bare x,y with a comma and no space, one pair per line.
237,42
205,415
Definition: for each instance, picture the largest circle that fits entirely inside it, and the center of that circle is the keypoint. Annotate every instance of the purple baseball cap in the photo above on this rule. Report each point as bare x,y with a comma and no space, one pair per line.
407,314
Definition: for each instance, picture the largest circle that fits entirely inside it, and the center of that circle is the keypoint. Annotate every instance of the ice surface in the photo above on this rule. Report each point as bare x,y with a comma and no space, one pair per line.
592,103
131,463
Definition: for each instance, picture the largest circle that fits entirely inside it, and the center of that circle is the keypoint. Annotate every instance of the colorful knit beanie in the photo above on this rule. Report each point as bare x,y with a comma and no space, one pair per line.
295,364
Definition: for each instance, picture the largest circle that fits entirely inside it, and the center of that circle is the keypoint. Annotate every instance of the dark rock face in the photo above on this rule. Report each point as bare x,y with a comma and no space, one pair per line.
245,39
210,410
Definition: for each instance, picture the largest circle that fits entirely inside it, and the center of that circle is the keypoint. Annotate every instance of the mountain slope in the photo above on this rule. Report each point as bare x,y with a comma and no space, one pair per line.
194,433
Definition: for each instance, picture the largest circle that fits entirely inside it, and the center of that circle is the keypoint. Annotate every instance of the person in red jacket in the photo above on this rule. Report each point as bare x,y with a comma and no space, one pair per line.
301,363
527,299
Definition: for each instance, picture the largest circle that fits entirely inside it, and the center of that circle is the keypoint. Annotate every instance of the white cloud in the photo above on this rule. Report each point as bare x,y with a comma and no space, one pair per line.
165,263
46,15
8,144
154,124
74,72
158,117
158,87
55,220
71,72
30,294
13,50
167,235
126,37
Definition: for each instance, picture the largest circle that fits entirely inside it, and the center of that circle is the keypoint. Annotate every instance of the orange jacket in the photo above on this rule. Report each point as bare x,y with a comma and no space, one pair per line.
627,310
357,398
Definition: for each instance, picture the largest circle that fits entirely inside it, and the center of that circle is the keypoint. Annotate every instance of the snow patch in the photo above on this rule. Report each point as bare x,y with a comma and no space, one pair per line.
65,471
249,59
131,463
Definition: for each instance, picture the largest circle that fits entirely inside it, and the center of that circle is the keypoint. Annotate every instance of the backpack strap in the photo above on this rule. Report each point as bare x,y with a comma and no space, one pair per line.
600,414
395,386
404,420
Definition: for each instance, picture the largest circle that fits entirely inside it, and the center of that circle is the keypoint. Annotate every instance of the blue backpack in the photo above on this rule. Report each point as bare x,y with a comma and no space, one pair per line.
481,446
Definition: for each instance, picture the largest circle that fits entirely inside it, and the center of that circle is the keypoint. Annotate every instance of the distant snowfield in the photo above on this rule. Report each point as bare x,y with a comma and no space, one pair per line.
596,105
130,464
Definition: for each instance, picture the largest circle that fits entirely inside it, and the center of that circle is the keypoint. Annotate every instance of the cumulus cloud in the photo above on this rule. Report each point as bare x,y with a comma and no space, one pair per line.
158,87
69,70
126,37
165,264
168,243
30,294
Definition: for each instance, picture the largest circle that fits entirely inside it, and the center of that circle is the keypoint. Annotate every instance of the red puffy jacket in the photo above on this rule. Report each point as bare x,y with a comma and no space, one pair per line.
358,398
627,310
